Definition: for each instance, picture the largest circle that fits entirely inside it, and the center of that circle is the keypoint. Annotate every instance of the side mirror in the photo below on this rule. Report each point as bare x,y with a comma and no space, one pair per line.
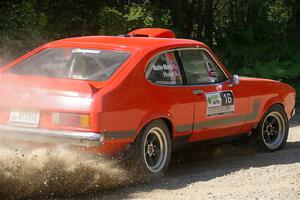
235,79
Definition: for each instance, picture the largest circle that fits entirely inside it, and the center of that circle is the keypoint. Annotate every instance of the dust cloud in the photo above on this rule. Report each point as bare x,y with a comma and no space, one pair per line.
44,173
5,56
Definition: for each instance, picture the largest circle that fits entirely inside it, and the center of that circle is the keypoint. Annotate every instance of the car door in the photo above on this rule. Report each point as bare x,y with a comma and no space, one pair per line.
171,95
220,106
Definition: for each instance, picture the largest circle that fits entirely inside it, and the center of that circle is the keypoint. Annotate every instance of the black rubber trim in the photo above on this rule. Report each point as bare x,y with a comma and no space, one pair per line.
111,135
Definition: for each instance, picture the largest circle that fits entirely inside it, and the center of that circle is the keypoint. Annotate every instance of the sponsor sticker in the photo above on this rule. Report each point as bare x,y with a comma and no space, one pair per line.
219,103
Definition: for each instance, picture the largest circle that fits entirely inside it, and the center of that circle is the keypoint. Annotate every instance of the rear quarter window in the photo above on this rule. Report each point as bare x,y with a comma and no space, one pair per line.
163,69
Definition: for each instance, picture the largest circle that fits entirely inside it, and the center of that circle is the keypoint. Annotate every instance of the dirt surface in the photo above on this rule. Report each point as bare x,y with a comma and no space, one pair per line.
228,171
232,171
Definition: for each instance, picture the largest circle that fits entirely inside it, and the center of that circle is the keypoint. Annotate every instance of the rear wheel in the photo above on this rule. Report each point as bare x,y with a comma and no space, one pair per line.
152,150
273,129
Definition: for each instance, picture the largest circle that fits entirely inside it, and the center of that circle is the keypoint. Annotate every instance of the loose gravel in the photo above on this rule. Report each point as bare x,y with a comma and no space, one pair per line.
233,171
228,171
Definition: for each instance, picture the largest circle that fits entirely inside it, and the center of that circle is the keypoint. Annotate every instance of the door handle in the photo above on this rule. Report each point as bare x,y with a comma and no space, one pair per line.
197,92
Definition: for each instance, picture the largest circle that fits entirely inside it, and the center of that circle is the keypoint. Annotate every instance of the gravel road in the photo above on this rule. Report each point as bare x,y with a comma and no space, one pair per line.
228,171
232,171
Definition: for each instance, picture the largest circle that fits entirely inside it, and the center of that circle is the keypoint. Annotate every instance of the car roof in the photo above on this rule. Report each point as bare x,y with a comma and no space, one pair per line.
125,42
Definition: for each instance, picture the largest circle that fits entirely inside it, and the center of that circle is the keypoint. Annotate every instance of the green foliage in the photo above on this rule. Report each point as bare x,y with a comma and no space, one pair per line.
111,20
20,24
273,70
252,37
139,15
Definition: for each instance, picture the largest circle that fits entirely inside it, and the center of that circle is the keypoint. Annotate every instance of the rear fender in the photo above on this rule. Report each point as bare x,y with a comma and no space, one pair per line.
152,117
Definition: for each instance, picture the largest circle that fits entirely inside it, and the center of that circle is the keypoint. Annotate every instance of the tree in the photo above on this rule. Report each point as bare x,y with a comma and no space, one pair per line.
297,17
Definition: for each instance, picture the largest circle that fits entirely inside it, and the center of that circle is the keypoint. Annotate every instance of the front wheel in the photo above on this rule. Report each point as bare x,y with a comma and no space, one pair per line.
273,129
153,150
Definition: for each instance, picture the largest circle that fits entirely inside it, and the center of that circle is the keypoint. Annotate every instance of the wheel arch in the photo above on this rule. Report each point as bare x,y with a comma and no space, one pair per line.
259,132
269,104
167,120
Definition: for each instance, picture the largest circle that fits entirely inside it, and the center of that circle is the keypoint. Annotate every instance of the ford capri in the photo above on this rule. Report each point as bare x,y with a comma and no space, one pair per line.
142,94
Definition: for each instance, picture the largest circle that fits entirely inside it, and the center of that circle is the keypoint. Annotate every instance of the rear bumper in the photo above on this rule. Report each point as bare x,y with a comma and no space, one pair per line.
84,139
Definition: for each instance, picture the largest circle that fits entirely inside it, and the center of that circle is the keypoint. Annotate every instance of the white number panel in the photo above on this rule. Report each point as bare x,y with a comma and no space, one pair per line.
219,103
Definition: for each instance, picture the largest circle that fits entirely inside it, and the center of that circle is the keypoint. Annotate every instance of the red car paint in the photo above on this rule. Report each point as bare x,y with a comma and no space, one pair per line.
120,107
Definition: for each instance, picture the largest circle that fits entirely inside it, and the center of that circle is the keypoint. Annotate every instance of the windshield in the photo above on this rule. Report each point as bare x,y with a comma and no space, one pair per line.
74,63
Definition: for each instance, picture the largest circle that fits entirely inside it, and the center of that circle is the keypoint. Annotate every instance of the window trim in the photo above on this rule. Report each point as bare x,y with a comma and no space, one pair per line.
175,51
180,65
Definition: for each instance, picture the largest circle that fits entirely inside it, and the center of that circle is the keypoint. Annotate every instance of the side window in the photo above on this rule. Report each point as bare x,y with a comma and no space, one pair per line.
164,70
200,68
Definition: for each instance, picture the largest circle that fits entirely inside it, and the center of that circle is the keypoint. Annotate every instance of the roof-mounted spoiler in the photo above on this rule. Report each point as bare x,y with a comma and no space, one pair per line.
151,32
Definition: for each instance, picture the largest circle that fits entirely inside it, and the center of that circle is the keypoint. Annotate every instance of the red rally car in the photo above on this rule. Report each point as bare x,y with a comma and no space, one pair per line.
146,91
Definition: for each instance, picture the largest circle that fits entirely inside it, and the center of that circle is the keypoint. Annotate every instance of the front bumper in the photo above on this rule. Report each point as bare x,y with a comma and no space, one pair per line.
27,134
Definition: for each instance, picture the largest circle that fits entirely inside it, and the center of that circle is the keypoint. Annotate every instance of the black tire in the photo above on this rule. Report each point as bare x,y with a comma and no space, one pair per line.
272,131
152,145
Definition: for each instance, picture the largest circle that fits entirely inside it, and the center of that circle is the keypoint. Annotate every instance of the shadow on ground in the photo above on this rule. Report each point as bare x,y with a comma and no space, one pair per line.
200,164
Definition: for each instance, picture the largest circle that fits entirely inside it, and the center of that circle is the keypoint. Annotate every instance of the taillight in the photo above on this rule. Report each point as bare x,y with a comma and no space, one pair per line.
72,120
